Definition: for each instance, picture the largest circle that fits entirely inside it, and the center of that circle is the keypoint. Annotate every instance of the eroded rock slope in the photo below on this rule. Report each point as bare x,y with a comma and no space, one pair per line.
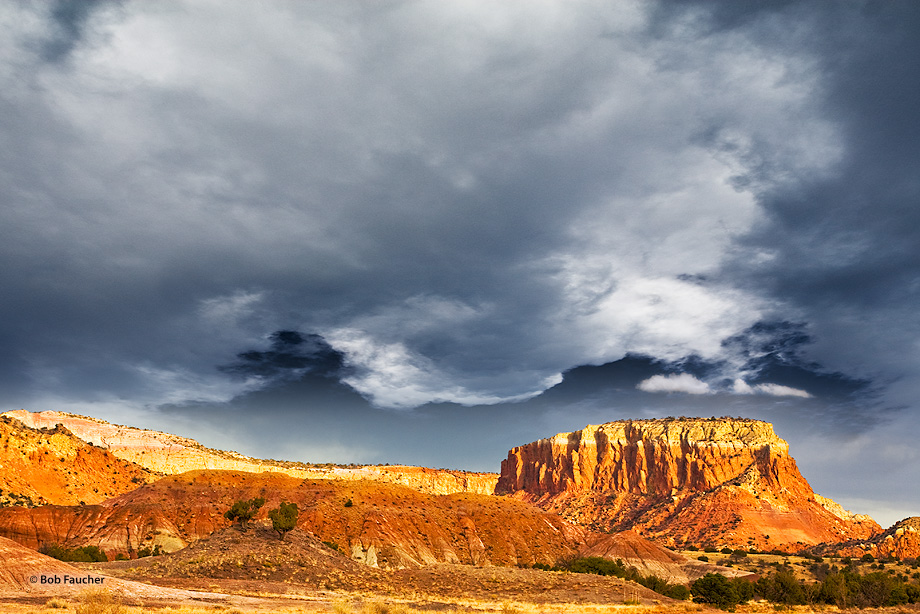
724,482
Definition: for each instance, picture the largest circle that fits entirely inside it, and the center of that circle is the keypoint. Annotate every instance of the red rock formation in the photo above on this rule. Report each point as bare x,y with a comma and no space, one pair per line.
726,482
170,454
52,466
386,525
901,541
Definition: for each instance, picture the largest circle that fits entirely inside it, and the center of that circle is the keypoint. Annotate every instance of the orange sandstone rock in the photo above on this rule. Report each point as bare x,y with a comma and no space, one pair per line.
725,482
168,454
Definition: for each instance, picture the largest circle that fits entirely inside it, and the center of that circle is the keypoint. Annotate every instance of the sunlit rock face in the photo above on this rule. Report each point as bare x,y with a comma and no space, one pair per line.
167,454
727,482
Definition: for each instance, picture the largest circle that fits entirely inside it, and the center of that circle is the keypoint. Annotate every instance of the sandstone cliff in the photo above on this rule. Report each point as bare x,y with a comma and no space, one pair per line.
39,467
724,482
901,541
170,454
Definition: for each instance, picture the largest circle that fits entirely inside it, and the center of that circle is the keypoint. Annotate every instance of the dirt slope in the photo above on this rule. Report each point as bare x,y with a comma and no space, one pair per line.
650,558
52,466
26,572
385,524
258,560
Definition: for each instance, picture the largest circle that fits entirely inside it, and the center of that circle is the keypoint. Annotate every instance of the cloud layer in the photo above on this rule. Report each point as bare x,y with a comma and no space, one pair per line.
456,204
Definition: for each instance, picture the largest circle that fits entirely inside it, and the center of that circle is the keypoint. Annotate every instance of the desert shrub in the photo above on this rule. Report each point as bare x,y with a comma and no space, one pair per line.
598,565
677,591
721,592
605,567
284,518
56,604
80,554
148,551
244,510
781,587
100,602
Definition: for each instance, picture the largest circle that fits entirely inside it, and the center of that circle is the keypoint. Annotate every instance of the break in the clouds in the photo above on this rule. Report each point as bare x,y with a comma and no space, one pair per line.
456,203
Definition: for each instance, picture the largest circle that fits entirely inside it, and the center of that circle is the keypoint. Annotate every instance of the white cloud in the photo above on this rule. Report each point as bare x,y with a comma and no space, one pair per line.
392,376
674,382
776,390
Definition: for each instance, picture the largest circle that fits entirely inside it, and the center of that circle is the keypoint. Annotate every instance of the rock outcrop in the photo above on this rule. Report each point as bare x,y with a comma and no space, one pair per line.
901,541
724,482
168,454
52,466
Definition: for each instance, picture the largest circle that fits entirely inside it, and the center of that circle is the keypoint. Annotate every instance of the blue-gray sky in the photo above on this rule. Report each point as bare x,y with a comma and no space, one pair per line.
429,231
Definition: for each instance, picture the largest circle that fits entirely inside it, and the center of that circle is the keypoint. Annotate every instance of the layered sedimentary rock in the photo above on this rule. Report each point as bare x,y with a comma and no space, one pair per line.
170,454
726,482
375,523
901,541
52,466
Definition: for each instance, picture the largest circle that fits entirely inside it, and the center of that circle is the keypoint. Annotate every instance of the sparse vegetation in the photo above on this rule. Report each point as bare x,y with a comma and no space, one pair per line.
244,510
844,588
148,551
606,567
80,554
100,602
284,518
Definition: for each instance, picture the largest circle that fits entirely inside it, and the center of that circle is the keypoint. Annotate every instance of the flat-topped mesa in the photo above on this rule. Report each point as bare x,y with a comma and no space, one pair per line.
649,457
723,482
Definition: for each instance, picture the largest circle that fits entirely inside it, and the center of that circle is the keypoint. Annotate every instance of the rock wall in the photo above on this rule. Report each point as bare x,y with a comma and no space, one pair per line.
727,482
646,457
170,454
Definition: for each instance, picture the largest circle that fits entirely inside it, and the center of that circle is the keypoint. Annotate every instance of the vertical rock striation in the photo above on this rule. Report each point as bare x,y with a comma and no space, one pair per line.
695,481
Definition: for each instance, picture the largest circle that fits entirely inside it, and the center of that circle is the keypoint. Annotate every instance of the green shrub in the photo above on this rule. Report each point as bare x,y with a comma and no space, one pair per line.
284,518
244,510
80,554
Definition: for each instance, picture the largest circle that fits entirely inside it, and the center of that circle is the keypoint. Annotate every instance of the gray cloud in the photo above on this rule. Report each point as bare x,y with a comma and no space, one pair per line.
464,203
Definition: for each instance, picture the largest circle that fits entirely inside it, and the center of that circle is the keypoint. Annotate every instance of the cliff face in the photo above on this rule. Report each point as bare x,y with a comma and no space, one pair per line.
170,454
649,457
52,466
727,482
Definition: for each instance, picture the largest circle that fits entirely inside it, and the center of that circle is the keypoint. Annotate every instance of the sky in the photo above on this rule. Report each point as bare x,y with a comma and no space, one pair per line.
425,232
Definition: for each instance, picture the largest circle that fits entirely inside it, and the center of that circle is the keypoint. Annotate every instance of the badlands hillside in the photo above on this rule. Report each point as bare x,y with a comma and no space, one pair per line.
721,482
627,490
52,466
168,454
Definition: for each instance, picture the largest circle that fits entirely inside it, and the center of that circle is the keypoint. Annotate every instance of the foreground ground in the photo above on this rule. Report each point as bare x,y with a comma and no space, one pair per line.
375,604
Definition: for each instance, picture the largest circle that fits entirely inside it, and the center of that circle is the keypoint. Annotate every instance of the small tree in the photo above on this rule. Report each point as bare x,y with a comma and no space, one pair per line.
284,518
244,511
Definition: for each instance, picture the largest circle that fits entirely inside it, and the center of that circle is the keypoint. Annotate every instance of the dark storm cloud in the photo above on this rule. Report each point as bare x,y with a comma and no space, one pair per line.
291,355
462,204
69,18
